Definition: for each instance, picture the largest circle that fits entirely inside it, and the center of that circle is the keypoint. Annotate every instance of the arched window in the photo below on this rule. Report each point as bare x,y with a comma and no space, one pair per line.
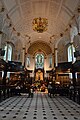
5,48
71,50
39,60
8,52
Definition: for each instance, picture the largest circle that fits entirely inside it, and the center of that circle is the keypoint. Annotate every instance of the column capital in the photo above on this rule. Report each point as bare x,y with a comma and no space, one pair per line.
25,53
45,57
78,9
53,54
23,48
7,42
1,32
56,48
71,43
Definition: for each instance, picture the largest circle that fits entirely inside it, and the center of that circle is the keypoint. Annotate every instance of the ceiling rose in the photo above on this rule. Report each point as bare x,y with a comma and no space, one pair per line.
40,24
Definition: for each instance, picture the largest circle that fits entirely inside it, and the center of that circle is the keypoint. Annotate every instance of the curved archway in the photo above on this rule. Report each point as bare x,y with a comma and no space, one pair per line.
39,46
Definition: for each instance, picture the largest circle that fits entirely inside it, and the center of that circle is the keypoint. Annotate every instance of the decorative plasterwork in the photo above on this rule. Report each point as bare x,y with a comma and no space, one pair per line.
58,13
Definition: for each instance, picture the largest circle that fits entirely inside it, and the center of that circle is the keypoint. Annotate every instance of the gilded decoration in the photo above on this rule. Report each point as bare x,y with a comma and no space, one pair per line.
40,24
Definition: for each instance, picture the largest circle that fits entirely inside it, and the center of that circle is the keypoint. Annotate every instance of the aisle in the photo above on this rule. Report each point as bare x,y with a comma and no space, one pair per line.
40,107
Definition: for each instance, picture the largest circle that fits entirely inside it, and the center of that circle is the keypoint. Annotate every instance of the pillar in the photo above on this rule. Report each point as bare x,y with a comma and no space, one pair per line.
74,82
72,52
25,59
23,56
73,70
33,63
78,20
0,38
53,60
56,57
0,42
44,65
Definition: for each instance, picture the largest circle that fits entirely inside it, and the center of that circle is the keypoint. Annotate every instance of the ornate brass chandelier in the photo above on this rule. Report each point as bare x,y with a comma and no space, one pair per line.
40,24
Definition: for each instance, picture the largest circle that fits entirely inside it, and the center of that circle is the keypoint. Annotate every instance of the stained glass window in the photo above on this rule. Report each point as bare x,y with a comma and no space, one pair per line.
39,59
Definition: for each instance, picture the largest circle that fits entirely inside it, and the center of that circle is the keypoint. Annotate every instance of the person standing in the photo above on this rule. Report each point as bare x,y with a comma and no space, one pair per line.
49,89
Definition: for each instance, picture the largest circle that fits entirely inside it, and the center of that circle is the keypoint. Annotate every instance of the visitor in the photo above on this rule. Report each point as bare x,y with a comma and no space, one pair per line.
49,89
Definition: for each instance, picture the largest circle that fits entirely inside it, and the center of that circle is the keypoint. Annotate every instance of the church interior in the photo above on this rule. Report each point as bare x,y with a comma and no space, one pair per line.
39,59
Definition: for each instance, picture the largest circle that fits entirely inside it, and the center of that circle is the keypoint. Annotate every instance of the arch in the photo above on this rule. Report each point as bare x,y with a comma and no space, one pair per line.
39,46
40,51
57,42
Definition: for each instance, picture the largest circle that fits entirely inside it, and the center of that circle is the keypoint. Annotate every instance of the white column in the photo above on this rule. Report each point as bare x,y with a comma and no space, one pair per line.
45,67
56,57
79,25
0,39
0,43
44,64
72,52
33,66
72,31
25,60
33,63
23,56
78,20
53,61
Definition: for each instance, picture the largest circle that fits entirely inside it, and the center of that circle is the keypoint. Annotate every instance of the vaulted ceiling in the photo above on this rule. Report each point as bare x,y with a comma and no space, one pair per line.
58,13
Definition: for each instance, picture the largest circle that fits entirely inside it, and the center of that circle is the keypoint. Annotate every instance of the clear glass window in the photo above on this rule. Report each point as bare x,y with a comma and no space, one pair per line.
71,50
8,52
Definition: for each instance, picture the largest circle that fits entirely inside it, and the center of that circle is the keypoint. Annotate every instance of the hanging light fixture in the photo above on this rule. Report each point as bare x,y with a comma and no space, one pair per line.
40,24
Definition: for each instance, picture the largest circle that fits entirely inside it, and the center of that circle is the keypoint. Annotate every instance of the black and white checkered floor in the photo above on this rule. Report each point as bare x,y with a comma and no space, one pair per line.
40,107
